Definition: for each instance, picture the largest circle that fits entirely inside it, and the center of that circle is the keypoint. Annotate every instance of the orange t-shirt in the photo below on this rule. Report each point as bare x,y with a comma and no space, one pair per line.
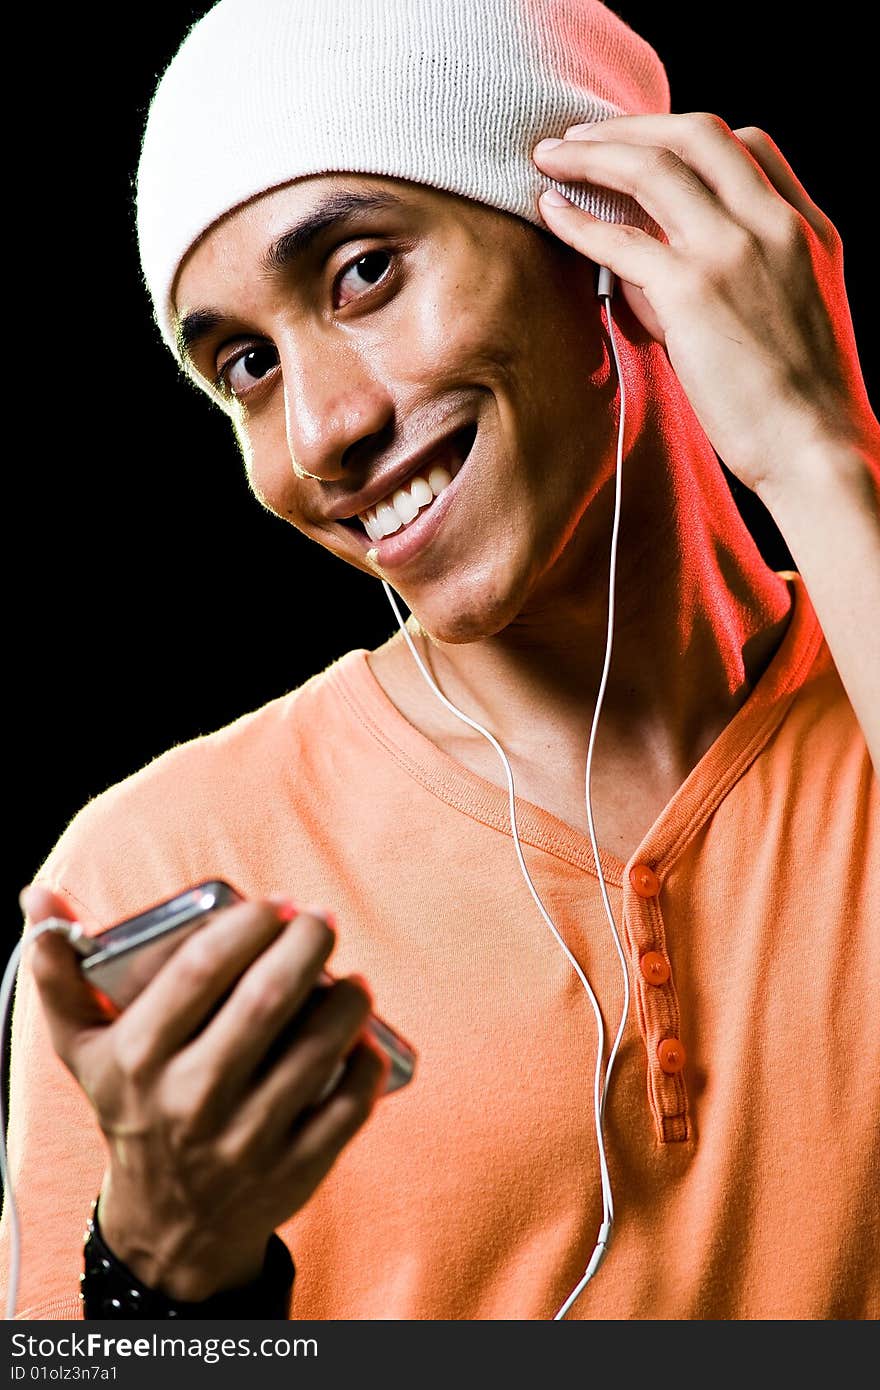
745,1185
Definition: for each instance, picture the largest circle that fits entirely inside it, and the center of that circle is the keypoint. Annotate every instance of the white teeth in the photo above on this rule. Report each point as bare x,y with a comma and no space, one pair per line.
420,492
404,505
388,519
439,478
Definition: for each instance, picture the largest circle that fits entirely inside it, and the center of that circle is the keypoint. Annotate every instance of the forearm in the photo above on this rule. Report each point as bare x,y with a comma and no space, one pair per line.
829,515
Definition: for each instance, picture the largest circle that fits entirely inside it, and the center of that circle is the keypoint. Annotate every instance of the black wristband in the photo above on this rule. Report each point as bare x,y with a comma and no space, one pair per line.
108,1289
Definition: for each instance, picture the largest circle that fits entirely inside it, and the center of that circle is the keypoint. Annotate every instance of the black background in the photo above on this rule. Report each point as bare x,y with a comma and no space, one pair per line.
153,598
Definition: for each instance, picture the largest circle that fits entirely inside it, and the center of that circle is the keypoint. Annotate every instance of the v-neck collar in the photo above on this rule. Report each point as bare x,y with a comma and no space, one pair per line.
693,803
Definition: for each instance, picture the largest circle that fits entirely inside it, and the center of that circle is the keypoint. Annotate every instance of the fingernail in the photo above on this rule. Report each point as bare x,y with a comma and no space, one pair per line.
546,145
22,897
316,910
286,909
575,130
555,198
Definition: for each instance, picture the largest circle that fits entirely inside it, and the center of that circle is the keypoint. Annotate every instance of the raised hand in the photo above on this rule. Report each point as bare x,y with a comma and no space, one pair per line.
745,289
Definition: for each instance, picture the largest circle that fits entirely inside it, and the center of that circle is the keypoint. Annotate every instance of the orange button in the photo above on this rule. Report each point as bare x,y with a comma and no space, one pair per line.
644,880
654,967
671,1056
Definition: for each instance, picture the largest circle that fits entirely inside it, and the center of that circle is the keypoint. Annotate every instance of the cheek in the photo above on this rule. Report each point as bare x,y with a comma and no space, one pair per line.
268,467
498,321
457,323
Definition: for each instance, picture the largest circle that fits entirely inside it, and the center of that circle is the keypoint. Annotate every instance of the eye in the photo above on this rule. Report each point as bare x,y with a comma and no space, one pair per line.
369,269
241,374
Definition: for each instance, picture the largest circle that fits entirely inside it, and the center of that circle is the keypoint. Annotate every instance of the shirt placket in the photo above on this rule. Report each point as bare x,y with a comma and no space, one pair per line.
656,1001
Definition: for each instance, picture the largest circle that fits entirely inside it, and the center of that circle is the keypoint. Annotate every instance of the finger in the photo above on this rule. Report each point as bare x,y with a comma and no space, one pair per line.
309,1065
777,169
326,1130
629,252
662,183
187,989
724,163
265,998
70,1005
705,142
38,902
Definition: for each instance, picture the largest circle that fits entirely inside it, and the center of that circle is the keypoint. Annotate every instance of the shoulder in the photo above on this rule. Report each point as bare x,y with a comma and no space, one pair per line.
192,795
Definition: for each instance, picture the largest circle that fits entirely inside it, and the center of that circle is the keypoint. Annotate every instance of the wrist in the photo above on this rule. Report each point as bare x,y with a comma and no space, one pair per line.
833,465
109,1289
189,1265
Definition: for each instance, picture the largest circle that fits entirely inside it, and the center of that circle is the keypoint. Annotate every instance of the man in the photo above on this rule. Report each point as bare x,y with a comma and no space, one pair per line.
340,229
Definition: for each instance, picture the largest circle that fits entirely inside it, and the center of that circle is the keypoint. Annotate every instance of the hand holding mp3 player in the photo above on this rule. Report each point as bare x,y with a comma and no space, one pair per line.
120,960
228,1084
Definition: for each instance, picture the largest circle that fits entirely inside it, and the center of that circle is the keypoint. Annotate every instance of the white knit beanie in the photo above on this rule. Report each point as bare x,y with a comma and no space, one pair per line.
451,93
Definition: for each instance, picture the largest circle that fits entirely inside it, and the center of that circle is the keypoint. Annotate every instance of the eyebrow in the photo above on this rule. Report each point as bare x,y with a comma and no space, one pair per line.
333,209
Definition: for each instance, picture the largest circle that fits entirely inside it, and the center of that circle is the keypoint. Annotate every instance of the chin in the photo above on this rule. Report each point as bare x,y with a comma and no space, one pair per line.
468,611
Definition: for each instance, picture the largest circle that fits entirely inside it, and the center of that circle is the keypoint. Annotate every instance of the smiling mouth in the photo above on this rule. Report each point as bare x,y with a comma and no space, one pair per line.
417,494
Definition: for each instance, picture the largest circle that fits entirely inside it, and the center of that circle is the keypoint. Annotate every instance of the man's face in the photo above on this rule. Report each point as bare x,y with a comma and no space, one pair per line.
416,331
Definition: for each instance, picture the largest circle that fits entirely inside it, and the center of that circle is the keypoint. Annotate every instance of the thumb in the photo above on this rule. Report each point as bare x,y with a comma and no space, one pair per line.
38,902
69,1002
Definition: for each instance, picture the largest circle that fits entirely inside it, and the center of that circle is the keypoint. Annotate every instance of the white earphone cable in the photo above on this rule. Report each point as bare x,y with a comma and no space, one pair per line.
600,1085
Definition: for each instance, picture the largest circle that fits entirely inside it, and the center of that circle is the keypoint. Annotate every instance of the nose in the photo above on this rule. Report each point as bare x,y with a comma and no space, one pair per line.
333,403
